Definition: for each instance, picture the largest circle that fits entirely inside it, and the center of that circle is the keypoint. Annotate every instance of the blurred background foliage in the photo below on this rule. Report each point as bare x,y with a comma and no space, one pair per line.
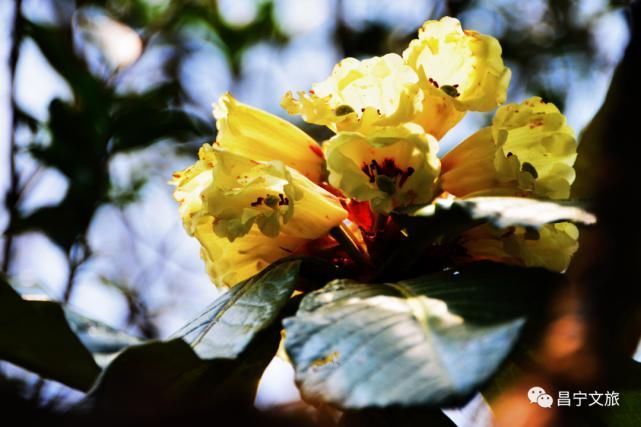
103,99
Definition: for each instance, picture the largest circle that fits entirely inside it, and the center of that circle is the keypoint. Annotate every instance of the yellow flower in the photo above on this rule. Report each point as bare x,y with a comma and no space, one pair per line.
458,71
261,136
438,114
379,91
229,263
528,151
551,247
233,204
391,167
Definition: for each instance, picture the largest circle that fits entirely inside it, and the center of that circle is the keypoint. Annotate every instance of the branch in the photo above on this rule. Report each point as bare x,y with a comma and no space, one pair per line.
11,198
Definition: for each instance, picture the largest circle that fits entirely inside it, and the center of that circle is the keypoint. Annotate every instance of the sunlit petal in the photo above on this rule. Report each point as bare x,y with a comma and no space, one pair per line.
379,91
528,151
551,247
262,136
390,167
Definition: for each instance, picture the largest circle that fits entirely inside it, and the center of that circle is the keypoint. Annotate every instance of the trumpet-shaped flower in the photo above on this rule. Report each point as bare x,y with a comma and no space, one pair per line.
378,91
528,150
262,136
551,247
391,167
458,71
229,263
438,113
231,203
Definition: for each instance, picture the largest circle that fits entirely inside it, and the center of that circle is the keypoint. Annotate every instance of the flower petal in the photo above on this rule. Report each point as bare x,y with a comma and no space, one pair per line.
378,91
464,65
528,151
438,113
247,214
552,247
191,182
537,147
229,263
276,198
262,136
390,167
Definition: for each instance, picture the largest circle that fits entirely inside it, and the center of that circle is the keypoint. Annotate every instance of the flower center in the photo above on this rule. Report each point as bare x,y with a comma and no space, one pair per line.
451,90
386,175
271,201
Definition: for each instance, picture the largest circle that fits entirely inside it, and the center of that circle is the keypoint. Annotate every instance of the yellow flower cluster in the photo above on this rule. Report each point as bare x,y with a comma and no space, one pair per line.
259,193
249,212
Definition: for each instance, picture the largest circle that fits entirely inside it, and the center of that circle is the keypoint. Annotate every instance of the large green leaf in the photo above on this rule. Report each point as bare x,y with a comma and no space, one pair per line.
35,335
233,341
102,340
228,325
503,212
442,222
160,379
427,341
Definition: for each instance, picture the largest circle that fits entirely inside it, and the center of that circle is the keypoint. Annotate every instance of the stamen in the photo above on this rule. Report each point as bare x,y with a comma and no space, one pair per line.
409,172
283,200
271,201
451,90
388,169
343,110
366,170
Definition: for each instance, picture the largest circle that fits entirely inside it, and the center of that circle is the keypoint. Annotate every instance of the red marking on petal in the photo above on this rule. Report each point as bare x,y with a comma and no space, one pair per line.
317,150
360,213
334,191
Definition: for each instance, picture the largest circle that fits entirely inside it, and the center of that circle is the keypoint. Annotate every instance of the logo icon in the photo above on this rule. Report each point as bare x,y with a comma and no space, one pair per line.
540,397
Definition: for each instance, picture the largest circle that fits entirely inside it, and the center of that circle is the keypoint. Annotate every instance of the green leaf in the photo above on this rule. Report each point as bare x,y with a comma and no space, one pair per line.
138,120
503,212
35,335
139,129
228,326
442,222
102,340
428,341
233,342
161,379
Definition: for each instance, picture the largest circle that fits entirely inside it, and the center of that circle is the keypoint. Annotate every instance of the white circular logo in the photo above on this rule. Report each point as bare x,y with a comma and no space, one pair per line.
540,397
